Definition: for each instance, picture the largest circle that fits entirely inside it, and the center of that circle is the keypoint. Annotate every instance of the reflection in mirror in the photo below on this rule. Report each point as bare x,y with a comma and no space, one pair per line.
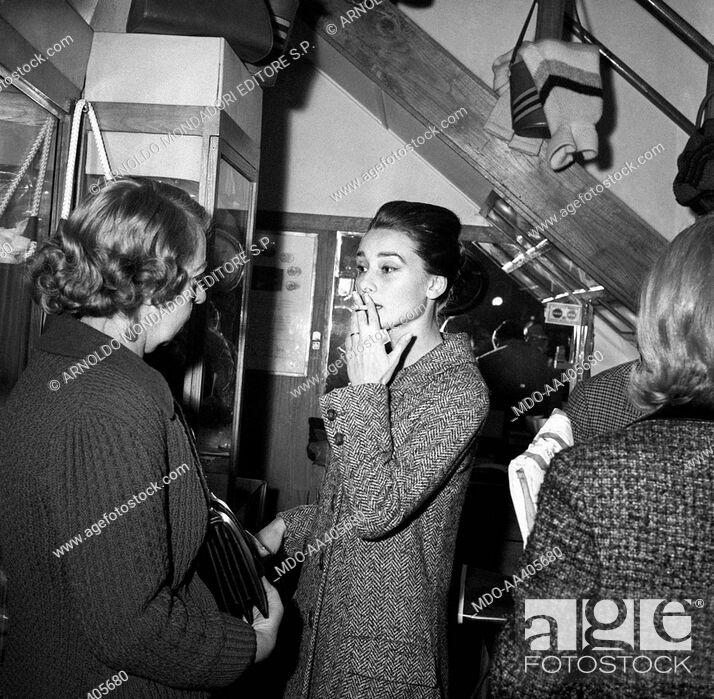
342,305
215,420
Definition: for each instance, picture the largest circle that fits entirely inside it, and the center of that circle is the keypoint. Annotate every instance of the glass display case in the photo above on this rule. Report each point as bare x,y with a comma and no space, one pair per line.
224,340
163,131
204,363
28,142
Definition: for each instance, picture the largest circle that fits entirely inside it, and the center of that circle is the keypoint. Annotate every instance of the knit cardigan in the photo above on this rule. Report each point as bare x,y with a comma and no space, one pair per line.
379,542
124,598
632,513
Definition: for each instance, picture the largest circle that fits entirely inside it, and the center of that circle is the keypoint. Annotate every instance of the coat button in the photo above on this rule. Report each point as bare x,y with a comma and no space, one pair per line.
339,439
331,414
311,617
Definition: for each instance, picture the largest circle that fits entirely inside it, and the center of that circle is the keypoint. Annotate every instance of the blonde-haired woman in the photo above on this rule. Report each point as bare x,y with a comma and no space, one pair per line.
632,512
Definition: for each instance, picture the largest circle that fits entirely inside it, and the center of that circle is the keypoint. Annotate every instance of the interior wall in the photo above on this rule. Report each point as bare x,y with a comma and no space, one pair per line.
318,138
613,348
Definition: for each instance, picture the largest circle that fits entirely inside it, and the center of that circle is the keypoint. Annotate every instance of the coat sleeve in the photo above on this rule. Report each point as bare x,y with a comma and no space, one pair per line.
297,522
562,557
119,577
385,484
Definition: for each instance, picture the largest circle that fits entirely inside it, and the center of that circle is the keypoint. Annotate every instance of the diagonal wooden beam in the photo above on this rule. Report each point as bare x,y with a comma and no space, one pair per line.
604,237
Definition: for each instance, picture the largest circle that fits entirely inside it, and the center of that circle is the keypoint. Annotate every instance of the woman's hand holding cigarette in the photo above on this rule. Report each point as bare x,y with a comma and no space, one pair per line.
367,358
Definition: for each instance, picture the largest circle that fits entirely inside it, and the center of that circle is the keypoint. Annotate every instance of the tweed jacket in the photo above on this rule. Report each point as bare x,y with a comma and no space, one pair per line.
373,600
107,445
602,403
631,511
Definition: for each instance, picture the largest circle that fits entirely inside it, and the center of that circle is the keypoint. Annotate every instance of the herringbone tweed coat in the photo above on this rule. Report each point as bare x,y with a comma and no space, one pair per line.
373,600
633,515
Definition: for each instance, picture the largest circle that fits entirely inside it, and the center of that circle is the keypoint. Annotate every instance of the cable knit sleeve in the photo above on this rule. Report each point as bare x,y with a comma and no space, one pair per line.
388,483
133,612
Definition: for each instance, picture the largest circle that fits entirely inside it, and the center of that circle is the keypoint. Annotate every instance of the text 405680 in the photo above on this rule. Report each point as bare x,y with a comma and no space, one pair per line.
108,685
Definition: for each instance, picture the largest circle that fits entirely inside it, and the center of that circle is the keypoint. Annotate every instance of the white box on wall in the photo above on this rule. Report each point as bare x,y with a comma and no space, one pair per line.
173,70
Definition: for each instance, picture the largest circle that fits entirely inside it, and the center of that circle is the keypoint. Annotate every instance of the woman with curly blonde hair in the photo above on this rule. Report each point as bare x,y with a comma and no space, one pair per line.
103,503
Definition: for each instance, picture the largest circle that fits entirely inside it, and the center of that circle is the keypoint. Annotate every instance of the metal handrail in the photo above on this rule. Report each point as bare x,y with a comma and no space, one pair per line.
614,312
641,85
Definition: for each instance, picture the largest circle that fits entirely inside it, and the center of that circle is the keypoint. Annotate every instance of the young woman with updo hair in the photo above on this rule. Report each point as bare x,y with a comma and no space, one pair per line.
378,544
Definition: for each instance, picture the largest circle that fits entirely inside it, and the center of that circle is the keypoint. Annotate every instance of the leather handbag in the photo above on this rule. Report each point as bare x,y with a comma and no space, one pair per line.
527,114
228,561
244,24
694,183
229,564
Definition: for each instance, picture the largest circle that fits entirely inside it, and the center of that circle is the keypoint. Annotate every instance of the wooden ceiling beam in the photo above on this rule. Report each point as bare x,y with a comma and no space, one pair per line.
605,237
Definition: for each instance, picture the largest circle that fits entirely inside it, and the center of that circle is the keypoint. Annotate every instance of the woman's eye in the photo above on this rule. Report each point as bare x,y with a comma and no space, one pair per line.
361,269
387,269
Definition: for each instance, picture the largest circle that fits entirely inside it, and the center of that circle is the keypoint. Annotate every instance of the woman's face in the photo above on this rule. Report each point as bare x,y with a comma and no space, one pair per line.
170,324
392,273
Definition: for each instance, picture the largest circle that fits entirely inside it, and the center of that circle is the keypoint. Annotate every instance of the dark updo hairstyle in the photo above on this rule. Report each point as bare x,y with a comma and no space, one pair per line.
434,231
131,243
